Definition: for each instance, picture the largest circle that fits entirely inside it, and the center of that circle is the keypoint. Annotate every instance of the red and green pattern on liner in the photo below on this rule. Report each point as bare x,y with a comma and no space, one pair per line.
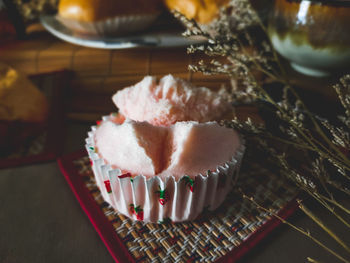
163,196
188,181
126,175
136,210
93,149
108,186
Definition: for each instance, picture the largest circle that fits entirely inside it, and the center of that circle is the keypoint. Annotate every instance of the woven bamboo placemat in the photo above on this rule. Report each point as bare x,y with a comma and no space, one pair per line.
100,73
46,144
224,235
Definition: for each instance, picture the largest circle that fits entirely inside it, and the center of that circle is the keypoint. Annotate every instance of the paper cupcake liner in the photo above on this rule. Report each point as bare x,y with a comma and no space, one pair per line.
159,199
112,26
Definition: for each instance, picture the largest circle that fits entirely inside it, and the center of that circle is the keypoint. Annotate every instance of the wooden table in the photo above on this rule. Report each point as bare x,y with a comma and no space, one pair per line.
99,72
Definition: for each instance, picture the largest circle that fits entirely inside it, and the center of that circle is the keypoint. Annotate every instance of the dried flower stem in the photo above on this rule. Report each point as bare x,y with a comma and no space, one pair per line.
322,225
330,209
311,260
322,200
336,185
330,143
300,230
337,204
323,145
311,140
285,80
270,136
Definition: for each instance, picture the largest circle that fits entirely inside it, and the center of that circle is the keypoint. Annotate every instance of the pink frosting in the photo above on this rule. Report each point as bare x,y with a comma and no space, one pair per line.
169,101
186,148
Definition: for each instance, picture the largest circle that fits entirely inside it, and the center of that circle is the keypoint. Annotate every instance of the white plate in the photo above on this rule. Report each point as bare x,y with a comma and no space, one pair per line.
158,39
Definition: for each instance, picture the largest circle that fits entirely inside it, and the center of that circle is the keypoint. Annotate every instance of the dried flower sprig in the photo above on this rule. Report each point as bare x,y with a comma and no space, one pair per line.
300,230
240,48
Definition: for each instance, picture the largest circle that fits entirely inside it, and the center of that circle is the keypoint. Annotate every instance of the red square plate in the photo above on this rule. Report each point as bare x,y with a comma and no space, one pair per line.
221,236
47,144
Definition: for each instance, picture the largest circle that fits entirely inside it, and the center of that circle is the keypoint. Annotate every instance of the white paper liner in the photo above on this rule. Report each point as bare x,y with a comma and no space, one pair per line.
115,26
209,190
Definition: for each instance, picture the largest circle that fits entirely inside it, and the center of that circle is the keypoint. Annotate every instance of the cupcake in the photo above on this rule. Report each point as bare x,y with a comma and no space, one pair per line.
107,17
163,157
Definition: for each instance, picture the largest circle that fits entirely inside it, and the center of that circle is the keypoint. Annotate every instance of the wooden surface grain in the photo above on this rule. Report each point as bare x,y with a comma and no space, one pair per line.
98,73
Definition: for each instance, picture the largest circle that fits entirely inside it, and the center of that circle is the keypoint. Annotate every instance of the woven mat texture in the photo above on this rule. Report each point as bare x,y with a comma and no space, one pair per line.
208,238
